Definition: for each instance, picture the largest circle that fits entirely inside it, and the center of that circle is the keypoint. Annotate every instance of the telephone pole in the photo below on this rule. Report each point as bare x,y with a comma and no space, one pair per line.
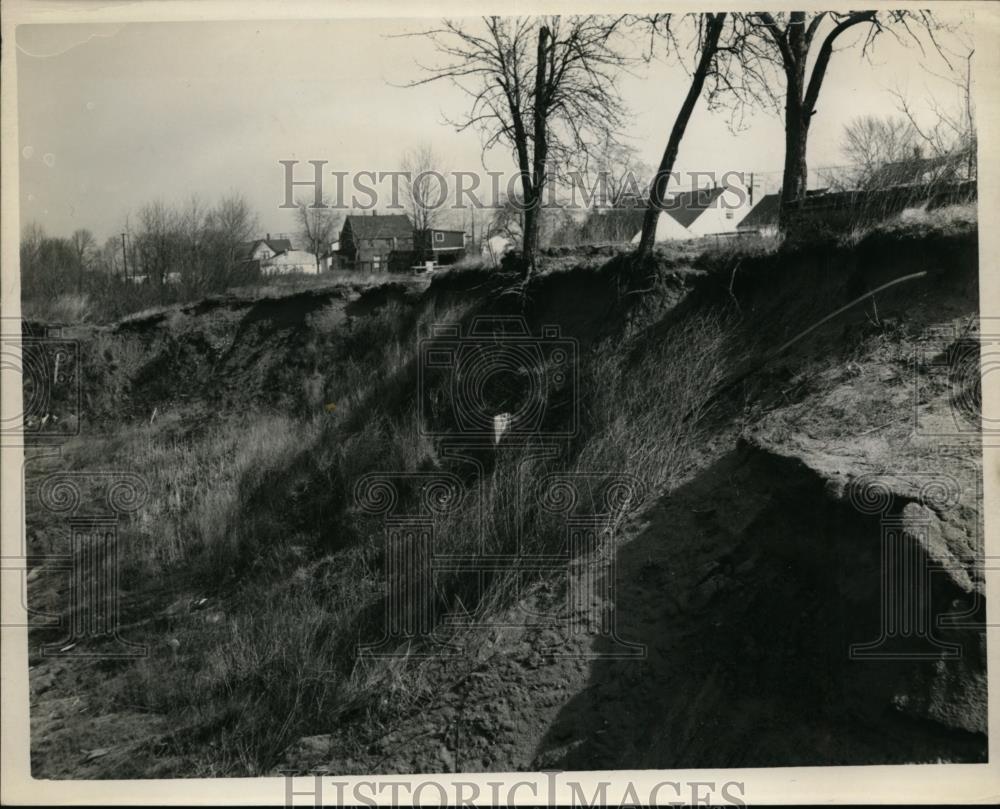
124,257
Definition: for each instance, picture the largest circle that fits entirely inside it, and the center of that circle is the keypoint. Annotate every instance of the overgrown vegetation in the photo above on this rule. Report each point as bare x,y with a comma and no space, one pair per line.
262,571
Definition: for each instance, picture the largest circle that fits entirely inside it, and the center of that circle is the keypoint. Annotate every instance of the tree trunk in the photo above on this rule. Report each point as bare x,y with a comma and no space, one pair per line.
533,205
658,190
795,175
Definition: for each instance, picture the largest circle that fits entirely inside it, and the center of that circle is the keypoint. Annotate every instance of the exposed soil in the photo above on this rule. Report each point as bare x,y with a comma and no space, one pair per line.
737,594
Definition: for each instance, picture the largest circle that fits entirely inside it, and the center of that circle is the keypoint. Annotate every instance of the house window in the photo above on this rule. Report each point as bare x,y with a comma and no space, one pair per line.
438,236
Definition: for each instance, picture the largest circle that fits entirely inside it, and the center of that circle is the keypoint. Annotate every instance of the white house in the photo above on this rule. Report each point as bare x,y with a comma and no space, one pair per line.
702,212
264,249
290,261
668,229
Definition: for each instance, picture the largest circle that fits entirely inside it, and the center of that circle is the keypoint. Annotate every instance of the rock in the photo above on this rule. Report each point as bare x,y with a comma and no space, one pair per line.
924,526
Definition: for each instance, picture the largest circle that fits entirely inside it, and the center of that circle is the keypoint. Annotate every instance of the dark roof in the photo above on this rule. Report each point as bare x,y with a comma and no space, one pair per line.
246,249
768,208
762,214
687,206
918,170
381,226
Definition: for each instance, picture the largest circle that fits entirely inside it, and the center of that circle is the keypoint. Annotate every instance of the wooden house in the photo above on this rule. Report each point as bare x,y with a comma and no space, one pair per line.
376,243
438,245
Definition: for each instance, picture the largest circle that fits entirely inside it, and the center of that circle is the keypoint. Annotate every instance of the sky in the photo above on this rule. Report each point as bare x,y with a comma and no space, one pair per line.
112,117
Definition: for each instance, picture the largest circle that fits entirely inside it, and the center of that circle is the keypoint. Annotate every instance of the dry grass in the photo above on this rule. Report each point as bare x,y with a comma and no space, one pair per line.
257,511
65,309
919,223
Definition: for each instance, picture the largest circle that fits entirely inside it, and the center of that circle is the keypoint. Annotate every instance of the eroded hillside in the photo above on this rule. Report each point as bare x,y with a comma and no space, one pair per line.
749,561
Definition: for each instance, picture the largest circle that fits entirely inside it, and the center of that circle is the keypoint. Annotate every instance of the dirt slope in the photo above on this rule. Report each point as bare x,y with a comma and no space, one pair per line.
744,584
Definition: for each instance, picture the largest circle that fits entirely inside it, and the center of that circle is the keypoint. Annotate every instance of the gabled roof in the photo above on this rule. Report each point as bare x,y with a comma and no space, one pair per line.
767,211
277,245
686,206
381,226
764,213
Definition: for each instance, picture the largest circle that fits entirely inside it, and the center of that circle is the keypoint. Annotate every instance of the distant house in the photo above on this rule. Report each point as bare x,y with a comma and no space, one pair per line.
330,259
668,229
438,245
263,249
922,171
763,217
376,243
290,261
276,257
701,212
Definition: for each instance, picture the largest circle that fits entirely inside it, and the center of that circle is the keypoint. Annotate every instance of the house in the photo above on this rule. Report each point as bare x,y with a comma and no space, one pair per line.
277,257
264,249
376,243
699,212
438,246
330,259
923,171
290,261
668,229
763,217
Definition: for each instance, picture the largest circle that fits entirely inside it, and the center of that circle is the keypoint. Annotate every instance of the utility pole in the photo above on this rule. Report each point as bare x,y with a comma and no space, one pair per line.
124,258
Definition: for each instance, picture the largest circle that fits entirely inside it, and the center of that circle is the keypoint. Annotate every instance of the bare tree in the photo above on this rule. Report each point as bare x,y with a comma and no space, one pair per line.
157,240
317,226
232,223
871,141
615,175
948,129
84,246
709,34
422,185
793,41
544,86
